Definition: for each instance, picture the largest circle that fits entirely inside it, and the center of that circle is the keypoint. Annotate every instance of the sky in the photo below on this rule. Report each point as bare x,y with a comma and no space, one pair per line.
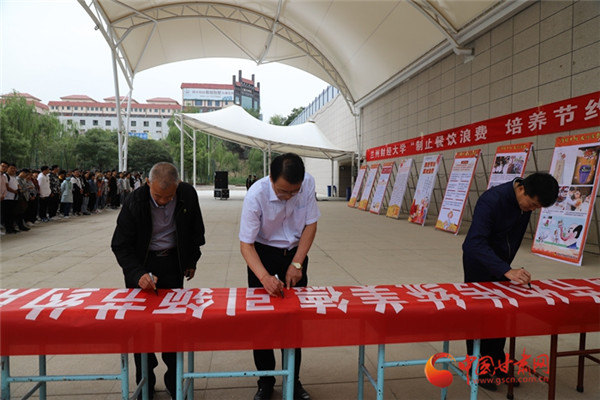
49,49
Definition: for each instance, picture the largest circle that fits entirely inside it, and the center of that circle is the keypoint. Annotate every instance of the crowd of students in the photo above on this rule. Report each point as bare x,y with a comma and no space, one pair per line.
50,193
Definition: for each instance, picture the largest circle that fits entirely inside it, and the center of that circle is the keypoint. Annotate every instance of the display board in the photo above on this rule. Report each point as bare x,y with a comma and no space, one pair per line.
457,191
562,228
509,163
395,203
425,185
363,204
379,199
357,185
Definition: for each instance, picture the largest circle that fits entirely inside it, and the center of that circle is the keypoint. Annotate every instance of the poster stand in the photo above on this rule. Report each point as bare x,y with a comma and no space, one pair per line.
411,189
563,227
381,196
360,177
425,185
365,198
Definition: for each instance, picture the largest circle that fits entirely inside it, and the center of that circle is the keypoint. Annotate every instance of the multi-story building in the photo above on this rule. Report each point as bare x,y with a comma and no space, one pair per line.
207,97
40,107
147,120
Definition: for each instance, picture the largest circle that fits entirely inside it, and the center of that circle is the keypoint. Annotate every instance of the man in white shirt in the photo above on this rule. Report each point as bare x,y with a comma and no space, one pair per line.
44,182
277,228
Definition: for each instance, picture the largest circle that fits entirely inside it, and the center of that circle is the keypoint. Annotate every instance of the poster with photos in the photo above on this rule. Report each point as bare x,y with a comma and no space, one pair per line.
563,227
509,163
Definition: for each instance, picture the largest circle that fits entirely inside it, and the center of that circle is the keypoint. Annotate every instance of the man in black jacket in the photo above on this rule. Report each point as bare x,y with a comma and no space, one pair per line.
157,243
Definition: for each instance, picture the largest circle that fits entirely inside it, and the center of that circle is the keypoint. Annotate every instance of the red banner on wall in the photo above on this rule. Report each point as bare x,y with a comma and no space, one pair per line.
88,321
576,113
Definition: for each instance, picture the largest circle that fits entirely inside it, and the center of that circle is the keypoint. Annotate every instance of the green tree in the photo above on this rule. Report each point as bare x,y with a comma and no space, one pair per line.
18,122
143,154
255,162
295,112
277,119
97,149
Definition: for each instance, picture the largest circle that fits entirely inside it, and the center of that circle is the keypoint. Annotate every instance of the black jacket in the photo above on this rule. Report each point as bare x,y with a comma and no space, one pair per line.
132,235
495,235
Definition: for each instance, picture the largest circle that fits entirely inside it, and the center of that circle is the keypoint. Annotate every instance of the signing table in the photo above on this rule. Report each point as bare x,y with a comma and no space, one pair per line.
93,321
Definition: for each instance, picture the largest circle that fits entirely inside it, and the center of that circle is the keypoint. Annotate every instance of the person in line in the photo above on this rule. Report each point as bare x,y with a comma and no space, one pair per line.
277,228
23,198
66,198
499,223
10,199
77,191
54,201
159,231
3,191
44,195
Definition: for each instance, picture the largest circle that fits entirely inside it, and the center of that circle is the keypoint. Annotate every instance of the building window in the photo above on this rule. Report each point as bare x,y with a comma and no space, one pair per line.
68,107
133,123
158,123
156,110
209,103
107,122
69,122
95,122
82,122
217,103
146,123
112,109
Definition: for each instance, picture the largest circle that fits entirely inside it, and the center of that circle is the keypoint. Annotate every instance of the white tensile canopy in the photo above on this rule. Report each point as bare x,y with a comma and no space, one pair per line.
362,47
236,125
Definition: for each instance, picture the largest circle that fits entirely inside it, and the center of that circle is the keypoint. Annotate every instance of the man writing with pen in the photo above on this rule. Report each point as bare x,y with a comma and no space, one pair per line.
277,228
157,244
499,223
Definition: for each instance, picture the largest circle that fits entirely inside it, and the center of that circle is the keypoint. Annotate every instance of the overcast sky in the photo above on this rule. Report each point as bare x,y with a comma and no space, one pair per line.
49,49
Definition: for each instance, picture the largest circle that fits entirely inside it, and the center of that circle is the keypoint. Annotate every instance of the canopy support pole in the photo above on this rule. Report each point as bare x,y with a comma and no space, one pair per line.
194,166
181,146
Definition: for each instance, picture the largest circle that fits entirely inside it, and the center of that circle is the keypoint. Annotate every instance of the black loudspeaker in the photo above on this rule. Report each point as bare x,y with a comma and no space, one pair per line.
221,180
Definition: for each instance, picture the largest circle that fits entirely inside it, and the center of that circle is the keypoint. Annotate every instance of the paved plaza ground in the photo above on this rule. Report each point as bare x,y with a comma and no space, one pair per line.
352,247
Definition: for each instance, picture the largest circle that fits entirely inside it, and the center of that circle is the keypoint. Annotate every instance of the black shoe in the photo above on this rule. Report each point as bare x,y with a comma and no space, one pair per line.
300,393
23,228
487,382
263,393
505,378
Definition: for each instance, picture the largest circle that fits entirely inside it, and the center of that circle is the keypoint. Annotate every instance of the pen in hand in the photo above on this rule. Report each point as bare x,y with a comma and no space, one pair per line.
153,283
280,290
528,283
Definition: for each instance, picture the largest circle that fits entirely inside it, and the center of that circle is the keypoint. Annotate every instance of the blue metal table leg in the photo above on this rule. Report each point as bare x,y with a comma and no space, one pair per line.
361,373
445,349
289,358
125,376
5,385
474,376
42,368
145,383
190,382
179,377
380,370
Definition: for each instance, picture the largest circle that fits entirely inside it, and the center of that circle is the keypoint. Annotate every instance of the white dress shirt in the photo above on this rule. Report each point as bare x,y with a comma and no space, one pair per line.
279,223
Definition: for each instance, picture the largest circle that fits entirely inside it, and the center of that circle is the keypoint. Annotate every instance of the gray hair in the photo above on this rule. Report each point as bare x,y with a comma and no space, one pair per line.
164,174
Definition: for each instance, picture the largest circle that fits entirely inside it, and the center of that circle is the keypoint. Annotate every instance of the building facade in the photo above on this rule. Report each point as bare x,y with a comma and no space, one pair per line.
147,120
206,97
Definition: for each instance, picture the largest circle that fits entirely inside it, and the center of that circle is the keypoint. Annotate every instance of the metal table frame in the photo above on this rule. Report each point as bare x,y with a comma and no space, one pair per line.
378,383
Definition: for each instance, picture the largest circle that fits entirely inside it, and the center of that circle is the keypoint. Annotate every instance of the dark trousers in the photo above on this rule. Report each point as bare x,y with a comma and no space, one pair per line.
8,215
44,207
493,348
53,203
166,269
276,261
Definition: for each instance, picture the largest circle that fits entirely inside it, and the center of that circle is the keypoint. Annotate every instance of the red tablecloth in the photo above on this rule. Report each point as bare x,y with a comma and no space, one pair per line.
86,321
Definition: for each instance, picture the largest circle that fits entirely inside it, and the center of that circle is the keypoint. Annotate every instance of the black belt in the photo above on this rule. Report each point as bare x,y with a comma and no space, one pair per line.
162,253
275,250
